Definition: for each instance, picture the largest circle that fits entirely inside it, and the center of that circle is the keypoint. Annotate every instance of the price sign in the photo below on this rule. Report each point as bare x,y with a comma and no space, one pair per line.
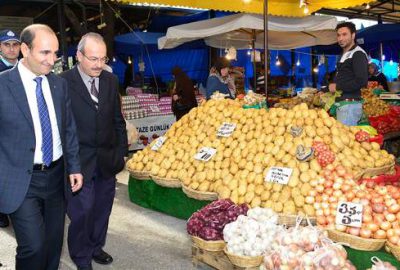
226,129
349,214
158,143
279,175
154,108
205,153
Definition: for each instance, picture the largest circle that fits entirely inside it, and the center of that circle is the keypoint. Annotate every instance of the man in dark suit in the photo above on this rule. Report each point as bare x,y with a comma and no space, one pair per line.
103,146
9,51
38,144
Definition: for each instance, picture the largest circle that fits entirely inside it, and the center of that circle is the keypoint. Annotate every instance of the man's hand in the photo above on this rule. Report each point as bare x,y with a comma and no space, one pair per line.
332,87
175,97
76,181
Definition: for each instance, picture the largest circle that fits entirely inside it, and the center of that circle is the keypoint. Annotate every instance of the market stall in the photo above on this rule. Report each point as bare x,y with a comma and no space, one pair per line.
295,162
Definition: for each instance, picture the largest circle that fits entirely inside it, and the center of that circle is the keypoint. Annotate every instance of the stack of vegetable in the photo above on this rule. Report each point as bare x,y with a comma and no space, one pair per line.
373,106
252,235
261,140
209,222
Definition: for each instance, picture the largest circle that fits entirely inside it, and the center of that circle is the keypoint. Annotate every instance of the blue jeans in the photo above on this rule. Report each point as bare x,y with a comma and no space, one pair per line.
349,114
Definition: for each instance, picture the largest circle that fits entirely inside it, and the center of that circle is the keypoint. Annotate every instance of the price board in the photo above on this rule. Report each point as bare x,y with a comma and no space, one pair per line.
159,142
280,175
349,214
205,153
226,129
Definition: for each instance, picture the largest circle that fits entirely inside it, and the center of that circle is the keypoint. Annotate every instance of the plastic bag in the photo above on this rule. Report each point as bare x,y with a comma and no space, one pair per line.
380,265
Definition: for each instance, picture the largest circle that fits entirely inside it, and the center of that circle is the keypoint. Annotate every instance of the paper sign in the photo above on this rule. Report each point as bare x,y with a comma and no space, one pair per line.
159,142
279,175
349,214
205,153
226,129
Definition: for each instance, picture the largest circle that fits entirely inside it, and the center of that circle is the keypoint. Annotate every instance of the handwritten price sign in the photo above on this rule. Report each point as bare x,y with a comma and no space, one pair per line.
349,214
205,153
159,142
279,175
226,129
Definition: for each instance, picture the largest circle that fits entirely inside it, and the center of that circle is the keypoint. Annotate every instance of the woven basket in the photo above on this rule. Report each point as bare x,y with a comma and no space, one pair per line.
139,175
244,261
199,195
356,242
218,245
369,172
290,220
395,250
166,182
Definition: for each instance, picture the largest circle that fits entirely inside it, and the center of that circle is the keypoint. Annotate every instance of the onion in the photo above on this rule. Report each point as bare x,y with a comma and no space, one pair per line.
394,208
341,171
386,225
354,231
365,233
372,227
350,195
397,231
367,218
310,199
340,228
378,207
394,239
390,217
380,234
390,233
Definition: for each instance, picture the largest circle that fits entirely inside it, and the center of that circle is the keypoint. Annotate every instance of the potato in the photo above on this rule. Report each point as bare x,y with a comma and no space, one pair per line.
299,201
277,207
267,204
249,197
265,195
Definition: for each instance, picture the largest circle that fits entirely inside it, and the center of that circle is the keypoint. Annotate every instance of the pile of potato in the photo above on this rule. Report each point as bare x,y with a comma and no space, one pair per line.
262,139
373,106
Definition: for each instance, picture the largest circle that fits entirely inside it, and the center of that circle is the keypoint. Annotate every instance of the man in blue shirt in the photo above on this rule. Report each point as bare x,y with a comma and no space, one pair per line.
9,49
9,52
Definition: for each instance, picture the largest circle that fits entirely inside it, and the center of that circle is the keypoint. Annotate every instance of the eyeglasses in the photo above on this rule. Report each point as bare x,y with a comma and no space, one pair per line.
96,59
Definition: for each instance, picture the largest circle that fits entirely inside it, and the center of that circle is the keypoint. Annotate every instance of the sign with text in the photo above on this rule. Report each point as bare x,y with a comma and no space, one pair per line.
158,143
349,214
226,129
149,129
279,175
205,153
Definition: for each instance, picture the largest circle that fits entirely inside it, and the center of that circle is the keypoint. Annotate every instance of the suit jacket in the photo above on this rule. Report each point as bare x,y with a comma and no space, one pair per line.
102,132
17,136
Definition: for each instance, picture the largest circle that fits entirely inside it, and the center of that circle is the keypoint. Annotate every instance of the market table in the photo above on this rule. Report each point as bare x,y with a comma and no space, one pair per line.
174,202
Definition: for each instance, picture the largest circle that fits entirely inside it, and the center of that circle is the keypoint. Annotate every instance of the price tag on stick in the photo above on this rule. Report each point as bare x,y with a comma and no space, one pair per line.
226,129
279,175
205,153
158,143
349,214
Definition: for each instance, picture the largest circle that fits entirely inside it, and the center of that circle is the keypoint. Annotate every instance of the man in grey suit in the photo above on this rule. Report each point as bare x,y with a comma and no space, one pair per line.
38,144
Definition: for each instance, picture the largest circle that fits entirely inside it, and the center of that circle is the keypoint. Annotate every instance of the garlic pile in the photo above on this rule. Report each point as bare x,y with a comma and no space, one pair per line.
253,234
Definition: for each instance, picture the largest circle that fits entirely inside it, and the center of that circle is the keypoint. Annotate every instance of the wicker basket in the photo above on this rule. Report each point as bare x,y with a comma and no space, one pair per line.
199,195
139,175
290,220
218,245
166,182
244,261
395,250
369,172
356,242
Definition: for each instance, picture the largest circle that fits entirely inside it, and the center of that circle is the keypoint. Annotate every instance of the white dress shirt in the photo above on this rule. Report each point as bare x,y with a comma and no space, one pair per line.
28,77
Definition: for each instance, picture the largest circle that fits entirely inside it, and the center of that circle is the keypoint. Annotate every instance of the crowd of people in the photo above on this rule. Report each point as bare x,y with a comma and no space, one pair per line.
63,139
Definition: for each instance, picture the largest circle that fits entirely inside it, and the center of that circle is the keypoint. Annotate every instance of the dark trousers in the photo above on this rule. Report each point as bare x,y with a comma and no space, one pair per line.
39,222
89,211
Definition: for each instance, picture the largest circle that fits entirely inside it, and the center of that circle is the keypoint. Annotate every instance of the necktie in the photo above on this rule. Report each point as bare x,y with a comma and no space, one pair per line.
47,135
94,92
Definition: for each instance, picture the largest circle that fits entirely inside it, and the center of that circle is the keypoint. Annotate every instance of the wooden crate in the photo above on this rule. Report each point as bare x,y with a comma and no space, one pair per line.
215,259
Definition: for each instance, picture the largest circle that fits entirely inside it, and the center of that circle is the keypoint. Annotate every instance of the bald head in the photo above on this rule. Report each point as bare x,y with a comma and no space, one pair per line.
29,33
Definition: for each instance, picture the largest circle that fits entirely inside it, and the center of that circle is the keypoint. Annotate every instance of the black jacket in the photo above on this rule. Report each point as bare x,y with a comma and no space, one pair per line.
101,133
352,73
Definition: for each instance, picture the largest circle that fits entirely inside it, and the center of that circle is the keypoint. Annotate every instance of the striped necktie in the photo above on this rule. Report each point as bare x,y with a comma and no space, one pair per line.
94,93
45,124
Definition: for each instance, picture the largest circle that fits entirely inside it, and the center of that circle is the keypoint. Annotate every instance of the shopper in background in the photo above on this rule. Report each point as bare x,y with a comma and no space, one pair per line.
183,96
39,147
218,78
376,76
351,76
103,146
10,46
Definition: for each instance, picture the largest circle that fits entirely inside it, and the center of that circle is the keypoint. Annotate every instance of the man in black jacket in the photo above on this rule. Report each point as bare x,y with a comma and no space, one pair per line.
351,76
102,143
10,46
